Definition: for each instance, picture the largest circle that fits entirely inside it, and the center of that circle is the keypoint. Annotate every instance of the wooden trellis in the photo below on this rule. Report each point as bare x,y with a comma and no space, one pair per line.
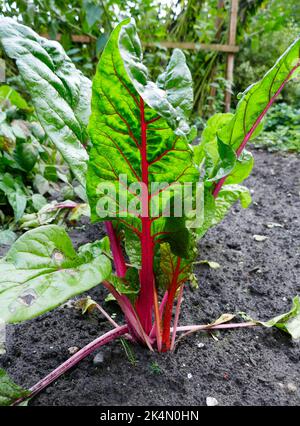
230,48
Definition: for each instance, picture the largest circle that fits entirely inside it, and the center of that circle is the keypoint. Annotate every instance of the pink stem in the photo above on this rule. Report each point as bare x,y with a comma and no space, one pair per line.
161,310
116,249
214,327
106,315
194,328
132,319
254,127
78,356
64,205
177,313
145,301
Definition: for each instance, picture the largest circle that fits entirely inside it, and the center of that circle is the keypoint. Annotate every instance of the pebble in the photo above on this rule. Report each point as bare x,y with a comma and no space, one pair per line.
291,387
200,345
211,402
98,359
73,349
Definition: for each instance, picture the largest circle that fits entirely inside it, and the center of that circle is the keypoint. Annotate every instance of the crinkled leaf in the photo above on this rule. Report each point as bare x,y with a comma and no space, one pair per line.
216,209
10,391
208,143
42,270
87,304
138,130
166,274
220,158
223,319
210,263
224,165
242,169
128,285
59,92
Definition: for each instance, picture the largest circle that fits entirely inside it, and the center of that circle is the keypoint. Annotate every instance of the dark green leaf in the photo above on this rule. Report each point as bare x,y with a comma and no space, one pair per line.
60,93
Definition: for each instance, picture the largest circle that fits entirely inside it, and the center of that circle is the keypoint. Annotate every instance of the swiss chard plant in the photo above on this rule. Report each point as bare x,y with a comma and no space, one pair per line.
128,141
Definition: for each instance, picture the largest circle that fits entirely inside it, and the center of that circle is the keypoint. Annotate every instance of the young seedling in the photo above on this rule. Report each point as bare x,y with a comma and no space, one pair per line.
157,194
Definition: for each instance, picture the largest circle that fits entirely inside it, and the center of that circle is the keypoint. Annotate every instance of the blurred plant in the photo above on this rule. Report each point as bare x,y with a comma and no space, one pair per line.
199,21
282,130
30,166
265,34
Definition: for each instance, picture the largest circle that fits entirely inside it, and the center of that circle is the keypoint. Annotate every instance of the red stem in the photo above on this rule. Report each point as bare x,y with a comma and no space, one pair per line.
144,305
116,250
168,309
254,127
132,319
176,319
161,311
85,351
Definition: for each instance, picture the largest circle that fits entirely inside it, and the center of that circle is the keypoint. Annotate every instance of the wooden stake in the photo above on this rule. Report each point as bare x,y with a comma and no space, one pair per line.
230,57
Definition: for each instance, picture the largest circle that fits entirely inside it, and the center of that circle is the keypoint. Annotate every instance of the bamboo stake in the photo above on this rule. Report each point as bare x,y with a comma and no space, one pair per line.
230,57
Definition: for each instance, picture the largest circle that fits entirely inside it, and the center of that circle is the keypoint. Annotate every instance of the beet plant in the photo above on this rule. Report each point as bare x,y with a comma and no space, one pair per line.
128,141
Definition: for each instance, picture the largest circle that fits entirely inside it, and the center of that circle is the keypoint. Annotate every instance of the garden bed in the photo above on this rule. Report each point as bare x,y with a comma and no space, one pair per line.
244,367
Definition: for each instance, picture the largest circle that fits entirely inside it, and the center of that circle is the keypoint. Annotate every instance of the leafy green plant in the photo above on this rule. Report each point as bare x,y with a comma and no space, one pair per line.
138,160
30,168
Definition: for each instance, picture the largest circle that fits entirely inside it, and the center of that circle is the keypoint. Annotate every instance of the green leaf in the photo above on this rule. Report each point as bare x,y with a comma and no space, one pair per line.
38,201
165,272
41,184
26,154
123,97
128,285
216,209
208,143
288,322
7,237
15,193
242,169
10,391
14,97
225,164
257,99
42,270
93,13
59,92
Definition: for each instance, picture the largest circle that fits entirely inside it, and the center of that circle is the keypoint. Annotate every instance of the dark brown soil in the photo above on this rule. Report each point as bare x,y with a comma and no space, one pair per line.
244,367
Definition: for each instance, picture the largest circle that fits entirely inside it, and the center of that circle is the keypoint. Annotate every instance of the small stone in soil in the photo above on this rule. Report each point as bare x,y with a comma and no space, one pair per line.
211,402
291,387
73,349
98,359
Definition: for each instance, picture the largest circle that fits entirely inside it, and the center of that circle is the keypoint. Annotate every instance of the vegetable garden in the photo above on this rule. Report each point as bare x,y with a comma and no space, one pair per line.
135,236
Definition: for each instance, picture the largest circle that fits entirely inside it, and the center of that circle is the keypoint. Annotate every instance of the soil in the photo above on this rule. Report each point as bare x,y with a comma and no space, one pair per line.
243,367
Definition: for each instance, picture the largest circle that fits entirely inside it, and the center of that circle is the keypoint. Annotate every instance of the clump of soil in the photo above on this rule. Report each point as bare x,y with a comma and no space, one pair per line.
243,367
